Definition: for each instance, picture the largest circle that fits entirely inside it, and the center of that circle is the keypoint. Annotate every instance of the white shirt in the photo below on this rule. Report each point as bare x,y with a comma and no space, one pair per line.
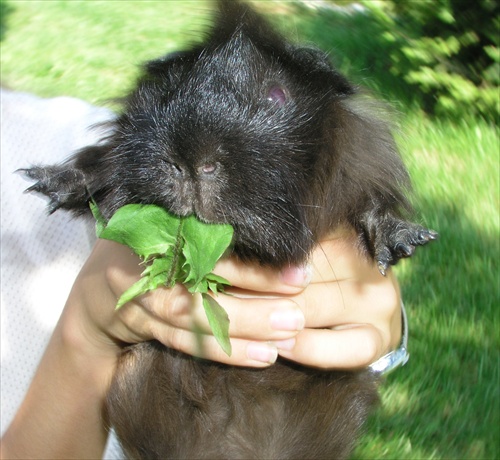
40,254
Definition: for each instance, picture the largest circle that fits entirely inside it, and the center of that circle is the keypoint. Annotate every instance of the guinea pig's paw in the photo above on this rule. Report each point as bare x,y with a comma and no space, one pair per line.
63,185
400,242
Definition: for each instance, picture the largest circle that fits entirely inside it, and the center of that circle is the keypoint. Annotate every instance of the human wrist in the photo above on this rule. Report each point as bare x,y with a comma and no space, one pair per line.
398,356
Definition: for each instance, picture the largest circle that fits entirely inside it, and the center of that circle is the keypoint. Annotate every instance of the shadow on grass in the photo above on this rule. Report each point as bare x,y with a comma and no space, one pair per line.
5,9
359,46
445,402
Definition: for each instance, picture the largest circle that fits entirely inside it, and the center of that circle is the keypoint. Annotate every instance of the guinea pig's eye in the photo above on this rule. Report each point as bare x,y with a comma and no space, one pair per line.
277,94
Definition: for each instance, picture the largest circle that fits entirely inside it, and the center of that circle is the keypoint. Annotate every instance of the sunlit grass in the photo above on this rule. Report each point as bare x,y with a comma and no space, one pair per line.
92,49
445,402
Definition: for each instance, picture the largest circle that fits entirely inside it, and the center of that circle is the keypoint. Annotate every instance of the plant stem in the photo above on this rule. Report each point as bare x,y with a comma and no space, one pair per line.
177,250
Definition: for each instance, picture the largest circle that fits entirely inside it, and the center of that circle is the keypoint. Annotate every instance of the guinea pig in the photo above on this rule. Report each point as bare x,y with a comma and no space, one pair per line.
251,130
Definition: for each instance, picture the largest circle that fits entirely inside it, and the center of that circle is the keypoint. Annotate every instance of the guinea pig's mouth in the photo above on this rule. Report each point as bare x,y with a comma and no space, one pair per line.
209,217
202,212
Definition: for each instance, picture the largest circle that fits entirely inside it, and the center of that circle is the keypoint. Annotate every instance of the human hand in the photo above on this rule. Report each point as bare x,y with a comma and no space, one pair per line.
352,314
347,316
174,316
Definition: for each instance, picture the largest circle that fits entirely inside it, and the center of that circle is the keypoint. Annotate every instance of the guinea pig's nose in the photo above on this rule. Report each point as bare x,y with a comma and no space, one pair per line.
207,169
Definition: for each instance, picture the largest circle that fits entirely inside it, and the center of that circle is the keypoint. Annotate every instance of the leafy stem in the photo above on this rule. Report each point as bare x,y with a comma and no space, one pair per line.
174,268
174,250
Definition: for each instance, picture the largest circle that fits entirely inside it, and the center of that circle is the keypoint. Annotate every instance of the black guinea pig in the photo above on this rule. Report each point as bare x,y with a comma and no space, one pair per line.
251,130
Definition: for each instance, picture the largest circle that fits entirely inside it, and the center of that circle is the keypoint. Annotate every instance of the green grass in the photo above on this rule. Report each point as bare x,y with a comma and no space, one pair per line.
91,49
445,402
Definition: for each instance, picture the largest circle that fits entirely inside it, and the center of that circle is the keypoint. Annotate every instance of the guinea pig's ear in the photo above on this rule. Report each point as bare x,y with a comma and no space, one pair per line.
318,63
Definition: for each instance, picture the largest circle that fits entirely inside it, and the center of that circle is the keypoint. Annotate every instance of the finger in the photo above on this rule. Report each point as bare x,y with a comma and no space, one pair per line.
142,325
349,301
340,258
335,258
249,318
244,353
254,277
351,348
257,318
122,268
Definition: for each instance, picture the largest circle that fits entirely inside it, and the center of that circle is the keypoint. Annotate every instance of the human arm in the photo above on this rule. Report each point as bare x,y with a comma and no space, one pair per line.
61,416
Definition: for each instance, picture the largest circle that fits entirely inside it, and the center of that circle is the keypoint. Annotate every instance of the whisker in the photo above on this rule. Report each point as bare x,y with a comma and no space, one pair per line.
317,206
337,282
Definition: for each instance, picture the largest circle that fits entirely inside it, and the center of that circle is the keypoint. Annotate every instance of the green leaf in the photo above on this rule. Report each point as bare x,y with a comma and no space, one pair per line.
137,289
216,283
160,268
204,244
147,229
218,279
219,322
176,250
153,277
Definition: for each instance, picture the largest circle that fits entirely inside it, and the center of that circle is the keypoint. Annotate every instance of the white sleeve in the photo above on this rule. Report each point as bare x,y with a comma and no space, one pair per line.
40,254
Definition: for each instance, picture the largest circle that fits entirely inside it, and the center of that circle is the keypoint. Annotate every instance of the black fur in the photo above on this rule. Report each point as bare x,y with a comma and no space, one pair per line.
250,130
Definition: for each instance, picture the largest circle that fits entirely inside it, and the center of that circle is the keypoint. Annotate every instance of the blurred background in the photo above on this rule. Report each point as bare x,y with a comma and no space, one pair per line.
438,63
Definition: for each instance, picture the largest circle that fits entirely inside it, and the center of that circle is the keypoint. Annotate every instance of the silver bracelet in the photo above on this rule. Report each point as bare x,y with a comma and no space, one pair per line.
399,356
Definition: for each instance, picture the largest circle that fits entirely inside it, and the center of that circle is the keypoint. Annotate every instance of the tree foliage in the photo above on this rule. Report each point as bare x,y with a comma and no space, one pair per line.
446,49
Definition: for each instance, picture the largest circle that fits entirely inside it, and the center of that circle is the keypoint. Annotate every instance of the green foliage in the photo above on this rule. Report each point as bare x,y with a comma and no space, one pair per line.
174,250
439,55
448,50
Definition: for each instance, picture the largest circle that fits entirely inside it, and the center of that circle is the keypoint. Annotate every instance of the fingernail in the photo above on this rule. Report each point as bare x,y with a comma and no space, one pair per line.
297,276
287,320
262,352
286,345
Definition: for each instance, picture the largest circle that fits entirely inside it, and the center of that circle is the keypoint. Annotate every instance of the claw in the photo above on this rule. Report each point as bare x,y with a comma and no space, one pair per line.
64,186
34,188
405,250
53,206
29,173
432,235
382,267
427,235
